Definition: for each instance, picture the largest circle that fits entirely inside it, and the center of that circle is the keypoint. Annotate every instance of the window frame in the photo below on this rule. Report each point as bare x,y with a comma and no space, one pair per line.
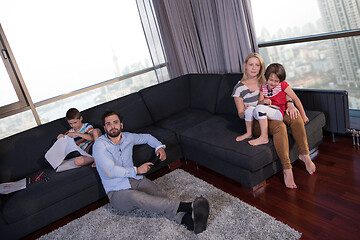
25,103
311,38
353,113
13,71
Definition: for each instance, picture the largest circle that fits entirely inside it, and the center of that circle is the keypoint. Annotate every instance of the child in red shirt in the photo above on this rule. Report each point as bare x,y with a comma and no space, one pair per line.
274,98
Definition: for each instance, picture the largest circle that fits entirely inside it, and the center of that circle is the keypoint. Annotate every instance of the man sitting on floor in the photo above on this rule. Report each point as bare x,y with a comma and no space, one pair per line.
125,185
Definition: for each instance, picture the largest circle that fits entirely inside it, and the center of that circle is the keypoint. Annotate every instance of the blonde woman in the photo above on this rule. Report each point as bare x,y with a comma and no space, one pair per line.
246,95
246,91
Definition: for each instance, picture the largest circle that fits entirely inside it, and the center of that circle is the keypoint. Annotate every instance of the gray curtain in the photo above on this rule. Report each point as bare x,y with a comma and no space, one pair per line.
205,36
153,39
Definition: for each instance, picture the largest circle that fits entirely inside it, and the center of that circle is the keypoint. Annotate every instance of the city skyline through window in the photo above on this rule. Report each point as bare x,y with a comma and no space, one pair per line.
78,56
327,64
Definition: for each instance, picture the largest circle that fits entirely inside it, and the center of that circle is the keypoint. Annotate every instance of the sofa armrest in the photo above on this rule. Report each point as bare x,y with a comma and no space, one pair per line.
333,103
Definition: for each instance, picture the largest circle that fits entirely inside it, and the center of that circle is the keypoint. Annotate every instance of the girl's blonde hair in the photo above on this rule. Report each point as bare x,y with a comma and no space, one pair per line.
261,76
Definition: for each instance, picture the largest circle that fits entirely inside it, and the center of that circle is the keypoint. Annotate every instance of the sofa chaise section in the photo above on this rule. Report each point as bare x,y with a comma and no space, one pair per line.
212,143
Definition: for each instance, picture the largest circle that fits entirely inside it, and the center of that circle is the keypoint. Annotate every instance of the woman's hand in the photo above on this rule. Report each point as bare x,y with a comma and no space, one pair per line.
240,106
305,119
242,114
292,111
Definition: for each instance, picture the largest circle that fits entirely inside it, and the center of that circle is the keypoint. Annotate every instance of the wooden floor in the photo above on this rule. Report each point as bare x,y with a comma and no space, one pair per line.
325,205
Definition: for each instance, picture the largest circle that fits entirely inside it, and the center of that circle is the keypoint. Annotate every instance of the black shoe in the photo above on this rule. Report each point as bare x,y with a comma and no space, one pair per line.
200,214
188,221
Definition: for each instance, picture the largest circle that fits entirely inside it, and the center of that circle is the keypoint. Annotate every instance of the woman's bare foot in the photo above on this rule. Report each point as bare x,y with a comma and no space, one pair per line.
242,137
289,179
310,166
259,141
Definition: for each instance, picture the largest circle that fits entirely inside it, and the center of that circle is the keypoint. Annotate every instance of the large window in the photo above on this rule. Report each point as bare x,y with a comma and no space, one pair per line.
69,54
7,91
318,42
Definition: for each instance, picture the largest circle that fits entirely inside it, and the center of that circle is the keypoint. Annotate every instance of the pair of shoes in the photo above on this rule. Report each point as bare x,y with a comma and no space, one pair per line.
200,214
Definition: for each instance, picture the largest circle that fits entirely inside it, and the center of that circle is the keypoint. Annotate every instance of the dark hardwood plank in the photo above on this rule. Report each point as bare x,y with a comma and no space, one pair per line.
325,205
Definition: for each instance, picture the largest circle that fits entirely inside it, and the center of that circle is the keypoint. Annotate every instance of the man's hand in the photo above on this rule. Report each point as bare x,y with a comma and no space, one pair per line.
161,154
144,168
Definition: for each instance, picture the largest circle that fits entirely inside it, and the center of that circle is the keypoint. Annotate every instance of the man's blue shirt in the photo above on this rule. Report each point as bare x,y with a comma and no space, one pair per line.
114,162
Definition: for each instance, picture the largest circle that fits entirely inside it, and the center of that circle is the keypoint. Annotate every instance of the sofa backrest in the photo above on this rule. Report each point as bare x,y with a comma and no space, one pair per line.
131,107
22,154
225,102
204,91
168,97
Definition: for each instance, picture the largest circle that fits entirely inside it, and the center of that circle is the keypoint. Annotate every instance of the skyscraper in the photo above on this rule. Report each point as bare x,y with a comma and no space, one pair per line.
340,15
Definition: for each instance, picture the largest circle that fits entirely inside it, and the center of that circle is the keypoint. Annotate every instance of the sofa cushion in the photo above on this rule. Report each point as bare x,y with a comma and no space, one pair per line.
314,126
167,98
316,121
40,195
144,153
204,91
216,137
225,102
184,120
23,153
131,107
165,136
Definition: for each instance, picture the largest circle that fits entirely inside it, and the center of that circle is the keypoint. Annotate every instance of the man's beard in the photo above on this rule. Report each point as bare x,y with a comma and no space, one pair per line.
112,133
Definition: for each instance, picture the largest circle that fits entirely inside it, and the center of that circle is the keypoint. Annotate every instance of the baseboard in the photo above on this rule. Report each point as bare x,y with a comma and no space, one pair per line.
314,152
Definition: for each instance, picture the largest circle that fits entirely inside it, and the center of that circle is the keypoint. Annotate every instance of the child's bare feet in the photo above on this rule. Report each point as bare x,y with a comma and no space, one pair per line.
289,179
310,166
259,141
93,165
242,137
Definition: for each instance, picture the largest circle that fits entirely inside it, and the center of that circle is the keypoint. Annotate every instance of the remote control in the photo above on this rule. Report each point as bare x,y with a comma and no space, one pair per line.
156,162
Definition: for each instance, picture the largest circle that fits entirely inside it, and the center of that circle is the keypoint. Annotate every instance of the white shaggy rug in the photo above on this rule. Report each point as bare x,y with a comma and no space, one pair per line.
229,218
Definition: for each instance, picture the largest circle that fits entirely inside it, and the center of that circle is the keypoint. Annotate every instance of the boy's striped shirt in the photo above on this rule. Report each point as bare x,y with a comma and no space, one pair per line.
81,142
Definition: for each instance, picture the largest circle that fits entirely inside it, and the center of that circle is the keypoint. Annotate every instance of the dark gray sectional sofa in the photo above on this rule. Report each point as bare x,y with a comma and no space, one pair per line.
194,115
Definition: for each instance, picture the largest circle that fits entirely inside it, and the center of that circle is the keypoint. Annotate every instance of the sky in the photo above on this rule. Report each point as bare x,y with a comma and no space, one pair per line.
7,92
291,13
81,42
